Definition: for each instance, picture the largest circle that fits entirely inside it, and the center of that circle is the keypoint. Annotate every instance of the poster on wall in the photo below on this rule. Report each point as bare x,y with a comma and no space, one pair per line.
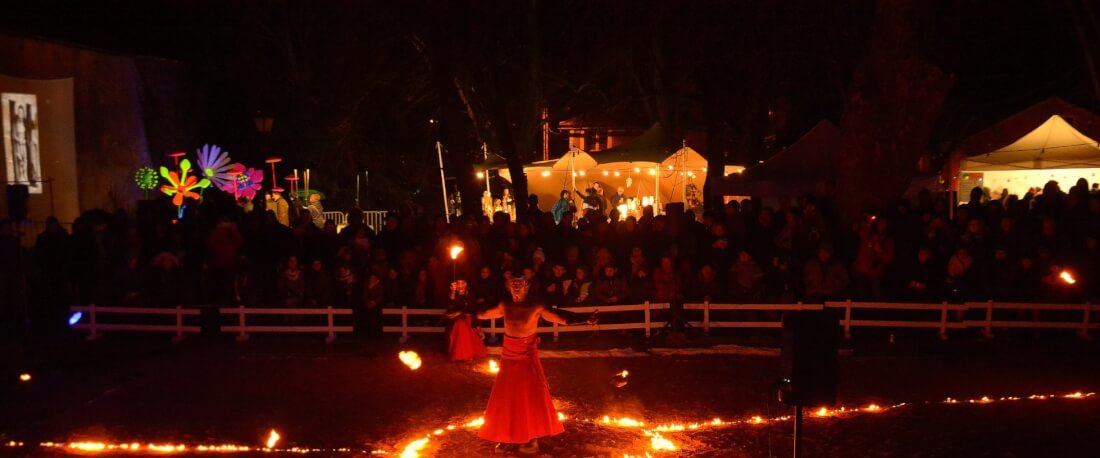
21,148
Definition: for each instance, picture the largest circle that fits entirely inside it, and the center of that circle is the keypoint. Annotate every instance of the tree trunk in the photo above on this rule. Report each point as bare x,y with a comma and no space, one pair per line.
890,111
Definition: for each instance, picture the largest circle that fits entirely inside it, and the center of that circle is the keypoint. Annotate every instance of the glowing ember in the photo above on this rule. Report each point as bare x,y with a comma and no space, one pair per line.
1066,277
660,444
437,432
272,439
24,377
493,366
411,359
413,449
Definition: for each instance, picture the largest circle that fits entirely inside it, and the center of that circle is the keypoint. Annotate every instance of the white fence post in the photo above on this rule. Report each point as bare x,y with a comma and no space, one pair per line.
331,331
94,334
943,320
241,336
848,319
556,336
179,326
404,321
1084,333
987,330
706,317
646,308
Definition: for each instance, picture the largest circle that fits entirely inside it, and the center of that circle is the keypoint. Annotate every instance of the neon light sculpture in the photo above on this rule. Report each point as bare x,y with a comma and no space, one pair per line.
181,186
146,179
214,164
248,181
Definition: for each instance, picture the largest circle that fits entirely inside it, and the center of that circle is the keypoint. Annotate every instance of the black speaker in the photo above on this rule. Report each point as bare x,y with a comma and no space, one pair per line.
18,202
808,358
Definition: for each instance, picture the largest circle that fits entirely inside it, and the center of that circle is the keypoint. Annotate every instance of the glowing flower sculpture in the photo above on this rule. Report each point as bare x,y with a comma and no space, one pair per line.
146,179
248,181
180,186
214,164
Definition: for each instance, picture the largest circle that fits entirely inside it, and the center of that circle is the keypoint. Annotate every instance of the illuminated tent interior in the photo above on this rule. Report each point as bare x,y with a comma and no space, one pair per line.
801,168
652,161
1054,150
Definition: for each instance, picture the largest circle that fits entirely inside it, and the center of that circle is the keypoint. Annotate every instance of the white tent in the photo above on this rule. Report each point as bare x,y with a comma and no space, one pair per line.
1053,145
1053,151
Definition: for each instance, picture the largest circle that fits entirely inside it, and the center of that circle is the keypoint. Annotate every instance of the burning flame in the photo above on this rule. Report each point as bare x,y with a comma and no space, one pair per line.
413,449
756,420
1077,395
24,377
272,439
660,444
624,373
822,412
493,366
561,416
1066,277
873,408
411,359
455,250
475,423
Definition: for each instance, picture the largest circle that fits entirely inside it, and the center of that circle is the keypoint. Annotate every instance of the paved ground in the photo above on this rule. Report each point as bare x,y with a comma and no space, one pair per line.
357,394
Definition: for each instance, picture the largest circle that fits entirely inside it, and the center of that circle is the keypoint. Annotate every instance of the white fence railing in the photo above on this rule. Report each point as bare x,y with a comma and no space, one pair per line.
339,218
375,219
242,328
1082,324
91,321
707,308
944,322
646,308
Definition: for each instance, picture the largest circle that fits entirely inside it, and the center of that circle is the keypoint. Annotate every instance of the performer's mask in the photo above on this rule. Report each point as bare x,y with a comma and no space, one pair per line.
518,286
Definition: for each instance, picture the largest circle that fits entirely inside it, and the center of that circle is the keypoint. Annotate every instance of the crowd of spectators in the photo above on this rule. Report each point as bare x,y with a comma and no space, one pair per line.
1004,247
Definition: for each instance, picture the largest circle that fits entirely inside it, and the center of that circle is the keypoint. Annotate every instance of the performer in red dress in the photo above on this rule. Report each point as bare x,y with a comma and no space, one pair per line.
520,408
463,342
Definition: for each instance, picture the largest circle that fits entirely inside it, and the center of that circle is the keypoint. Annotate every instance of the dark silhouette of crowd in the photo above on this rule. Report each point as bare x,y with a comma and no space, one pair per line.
1007,248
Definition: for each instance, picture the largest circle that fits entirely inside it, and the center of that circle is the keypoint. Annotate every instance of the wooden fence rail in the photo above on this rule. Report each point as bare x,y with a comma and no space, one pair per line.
647,323
1082,325
242,328
94,324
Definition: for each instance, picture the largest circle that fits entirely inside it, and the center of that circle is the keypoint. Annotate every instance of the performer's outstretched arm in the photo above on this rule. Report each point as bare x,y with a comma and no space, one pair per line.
552,317
495,312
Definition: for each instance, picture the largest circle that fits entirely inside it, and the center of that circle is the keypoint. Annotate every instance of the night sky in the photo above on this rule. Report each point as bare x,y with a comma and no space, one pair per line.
349,82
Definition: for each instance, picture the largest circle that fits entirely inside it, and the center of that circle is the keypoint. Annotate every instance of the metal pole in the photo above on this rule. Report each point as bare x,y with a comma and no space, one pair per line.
573,172
485,149
657,191
443,180
798,431
683,173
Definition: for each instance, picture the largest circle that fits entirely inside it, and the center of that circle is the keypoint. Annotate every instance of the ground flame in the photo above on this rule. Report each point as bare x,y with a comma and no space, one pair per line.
411,359
493,366
413,449
272,439
660,444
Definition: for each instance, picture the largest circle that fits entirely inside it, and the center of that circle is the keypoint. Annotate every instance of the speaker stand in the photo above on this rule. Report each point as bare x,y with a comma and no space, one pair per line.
798,431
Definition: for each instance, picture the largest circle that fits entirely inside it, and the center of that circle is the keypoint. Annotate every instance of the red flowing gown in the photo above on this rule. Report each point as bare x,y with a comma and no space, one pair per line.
520,407
464,343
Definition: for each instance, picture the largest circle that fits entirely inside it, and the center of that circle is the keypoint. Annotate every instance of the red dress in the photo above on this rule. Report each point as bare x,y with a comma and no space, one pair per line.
520,407
464,343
